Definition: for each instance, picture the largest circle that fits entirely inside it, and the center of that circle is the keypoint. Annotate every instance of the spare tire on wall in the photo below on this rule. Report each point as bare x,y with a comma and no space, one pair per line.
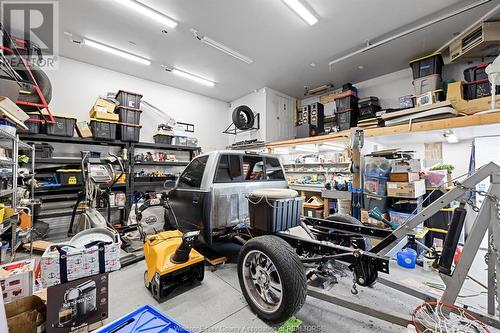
45,86
243,117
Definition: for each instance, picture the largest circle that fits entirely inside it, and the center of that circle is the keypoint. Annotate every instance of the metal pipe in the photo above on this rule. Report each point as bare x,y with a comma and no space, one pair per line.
409,31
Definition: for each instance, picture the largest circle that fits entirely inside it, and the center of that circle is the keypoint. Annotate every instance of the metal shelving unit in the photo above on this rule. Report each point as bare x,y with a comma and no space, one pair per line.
13,143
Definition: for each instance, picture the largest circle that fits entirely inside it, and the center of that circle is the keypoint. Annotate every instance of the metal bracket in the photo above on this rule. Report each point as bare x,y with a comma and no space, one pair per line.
233,130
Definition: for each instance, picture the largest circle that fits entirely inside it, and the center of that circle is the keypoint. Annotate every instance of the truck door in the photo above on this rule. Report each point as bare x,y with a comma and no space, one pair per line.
188,201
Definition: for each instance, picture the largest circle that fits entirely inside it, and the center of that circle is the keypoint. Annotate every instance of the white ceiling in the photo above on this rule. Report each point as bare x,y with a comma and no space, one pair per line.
280,43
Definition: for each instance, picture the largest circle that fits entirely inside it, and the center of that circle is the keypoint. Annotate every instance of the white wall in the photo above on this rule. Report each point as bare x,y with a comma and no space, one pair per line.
76,85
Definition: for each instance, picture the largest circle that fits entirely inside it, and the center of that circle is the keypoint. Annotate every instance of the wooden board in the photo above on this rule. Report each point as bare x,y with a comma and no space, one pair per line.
433,125
38,245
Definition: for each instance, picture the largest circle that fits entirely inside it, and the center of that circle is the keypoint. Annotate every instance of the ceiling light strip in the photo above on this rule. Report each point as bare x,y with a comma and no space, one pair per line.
116,52
148,12
302,11
221,47
192,77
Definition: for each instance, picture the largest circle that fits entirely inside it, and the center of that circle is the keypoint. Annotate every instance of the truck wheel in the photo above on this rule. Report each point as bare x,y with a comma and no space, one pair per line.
351,220
272,278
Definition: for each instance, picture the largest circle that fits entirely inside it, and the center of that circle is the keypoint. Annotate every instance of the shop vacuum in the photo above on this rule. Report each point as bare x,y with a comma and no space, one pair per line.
171,261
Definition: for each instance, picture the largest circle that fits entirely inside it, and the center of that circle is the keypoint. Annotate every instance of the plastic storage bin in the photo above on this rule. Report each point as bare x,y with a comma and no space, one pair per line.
129,115
427,65
145,318
375,185
64,126
271,215
34,127
129,132
399,217
103,130
371,201
129,99
377,166
42,150
70,177
478,89
346,103
427,83
476,73
368,107
163,139
347,119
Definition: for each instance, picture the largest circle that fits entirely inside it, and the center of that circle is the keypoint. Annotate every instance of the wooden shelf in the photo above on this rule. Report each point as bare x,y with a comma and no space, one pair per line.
433,125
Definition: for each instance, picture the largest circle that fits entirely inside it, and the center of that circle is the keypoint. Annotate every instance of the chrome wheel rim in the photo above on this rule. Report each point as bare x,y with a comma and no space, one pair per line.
262,281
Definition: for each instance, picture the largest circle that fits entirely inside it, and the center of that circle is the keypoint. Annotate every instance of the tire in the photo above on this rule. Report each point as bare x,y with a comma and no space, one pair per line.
45,86
243,117
147,284
288,270
351,220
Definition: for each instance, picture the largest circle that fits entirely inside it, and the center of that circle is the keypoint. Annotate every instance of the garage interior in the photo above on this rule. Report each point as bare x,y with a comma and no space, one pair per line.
249,166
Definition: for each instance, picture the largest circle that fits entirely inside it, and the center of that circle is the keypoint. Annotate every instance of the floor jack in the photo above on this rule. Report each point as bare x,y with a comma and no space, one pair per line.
171,261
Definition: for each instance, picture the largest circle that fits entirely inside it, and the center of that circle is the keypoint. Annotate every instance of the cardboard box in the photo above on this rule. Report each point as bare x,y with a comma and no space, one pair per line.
16,279
103,106
77,304
365,219
104,115
406,177
406,190
411,165
83,129
26,315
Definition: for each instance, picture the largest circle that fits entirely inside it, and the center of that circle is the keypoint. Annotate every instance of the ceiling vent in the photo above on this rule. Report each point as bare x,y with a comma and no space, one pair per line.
480,41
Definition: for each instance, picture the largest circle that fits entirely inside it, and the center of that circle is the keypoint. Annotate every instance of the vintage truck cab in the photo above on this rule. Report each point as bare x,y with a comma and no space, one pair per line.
211,193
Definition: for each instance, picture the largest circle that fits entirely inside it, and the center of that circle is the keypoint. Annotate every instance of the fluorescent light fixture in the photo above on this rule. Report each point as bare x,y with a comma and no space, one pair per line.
307,148
450,137
221,47
330,146
148,12
189,76
281,151
116,52
302,11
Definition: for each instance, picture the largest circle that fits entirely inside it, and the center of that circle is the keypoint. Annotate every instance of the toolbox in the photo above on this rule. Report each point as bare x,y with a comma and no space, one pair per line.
63,126
103,130
427,65
347,119
129,115
129,99
476,73
129,132
70,177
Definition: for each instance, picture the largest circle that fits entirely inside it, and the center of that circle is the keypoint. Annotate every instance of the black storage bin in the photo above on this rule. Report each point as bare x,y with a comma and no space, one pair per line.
42,150
103,130
371,201
163,139
129,115
273,215
428,65
142,179
129,99
313,212
408,206
476,73
70,177
478,89
34,127
63,126
129,132
347,119
346,103
368,107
